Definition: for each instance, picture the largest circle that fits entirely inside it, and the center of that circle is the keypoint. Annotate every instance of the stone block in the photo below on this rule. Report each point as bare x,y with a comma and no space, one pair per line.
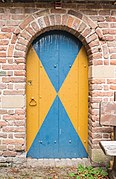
108,113
13,101
103,71
0,79
2,73
97,156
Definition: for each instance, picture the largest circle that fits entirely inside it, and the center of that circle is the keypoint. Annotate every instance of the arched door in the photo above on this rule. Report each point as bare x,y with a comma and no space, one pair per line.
57,97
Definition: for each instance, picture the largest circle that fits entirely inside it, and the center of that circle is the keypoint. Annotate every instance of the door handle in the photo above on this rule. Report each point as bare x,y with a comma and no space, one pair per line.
32,102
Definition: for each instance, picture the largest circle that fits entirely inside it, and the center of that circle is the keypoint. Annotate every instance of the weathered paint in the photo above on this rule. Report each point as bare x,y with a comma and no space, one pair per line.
57,53
62,97
35,90
57,137
74,95
32,86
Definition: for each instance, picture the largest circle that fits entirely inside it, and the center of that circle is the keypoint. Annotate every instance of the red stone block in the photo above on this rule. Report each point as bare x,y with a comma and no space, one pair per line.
108,113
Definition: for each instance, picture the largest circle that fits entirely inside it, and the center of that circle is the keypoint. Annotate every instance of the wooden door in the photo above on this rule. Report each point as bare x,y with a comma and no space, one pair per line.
57,97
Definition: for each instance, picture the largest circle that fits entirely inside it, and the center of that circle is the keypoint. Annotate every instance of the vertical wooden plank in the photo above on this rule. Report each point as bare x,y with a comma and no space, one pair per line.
83,97
32,94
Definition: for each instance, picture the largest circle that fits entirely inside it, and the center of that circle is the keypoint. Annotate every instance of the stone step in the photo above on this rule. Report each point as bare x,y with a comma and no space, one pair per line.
28,162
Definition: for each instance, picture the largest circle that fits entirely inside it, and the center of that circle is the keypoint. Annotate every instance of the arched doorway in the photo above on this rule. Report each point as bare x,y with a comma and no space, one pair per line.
57,97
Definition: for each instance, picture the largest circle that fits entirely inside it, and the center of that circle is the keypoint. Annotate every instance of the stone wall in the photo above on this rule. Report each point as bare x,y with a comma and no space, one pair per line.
94,25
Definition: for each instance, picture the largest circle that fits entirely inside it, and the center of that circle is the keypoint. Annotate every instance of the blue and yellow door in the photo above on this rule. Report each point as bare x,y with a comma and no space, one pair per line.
57,97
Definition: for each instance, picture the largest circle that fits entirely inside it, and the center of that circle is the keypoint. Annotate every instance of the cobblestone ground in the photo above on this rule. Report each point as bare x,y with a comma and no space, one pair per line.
36,173
40,169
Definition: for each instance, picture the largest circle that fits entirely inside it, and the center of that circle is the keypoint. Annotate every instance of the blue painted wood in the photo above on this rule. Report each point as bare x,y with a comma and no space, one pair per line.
57,52
57,137
69,47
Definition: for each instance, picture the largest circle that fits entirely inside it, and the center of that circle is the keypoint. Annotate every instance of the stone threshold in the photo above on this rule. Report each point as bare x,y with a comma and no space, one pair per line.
28,162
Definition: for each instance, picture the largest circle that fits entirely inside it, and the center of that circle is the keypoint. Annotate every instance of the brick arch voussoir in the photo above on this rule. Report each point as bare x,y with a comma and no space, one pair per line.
88,30
46,20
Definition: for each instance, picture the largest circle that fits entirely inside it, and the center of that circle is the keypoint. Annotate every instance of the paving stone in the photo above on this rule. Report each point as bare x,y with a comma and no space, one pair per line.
51,162
35,163
80,161
57,163
68,162
46,162
86,162
74,162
